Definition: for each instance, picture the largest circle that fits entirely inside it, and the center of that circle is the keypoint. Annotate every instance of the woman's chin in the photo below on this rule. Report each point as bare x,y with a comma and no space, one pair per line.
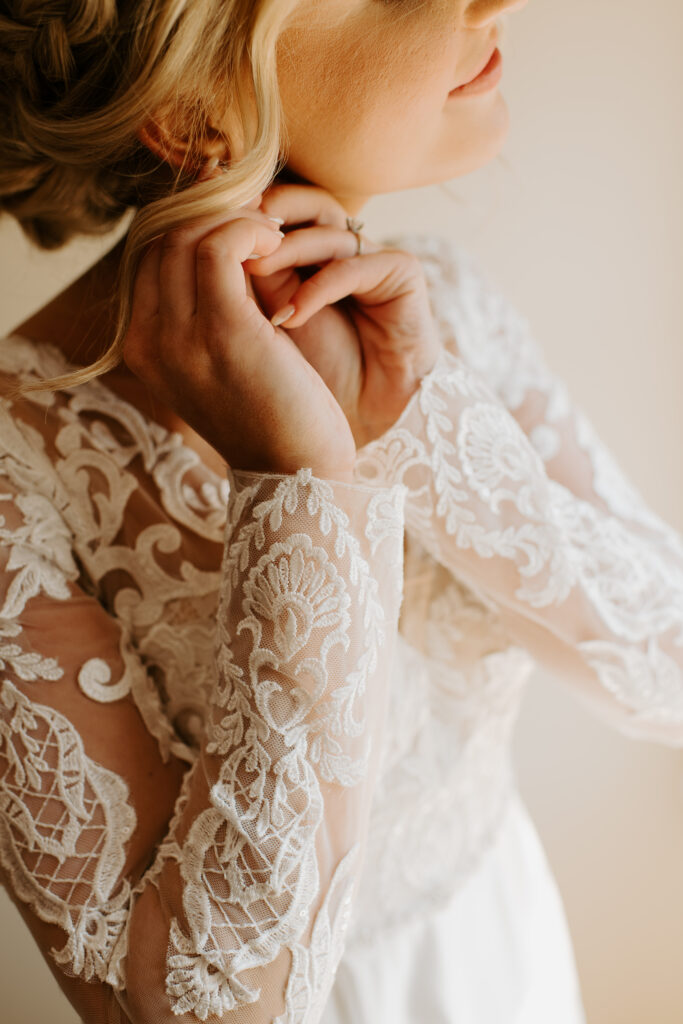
473,141
475,144
485,139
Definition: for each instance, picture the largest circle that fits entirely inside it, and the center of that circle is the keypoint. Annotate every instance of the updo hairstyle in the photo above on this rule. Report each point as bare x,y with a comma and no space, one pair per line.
82,77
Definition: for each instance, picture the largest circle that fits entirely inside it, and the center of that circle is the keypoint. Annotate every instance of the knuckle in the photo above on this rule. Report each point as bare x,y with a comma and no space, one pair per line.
210,249
177,239
406,268
314,286
409,260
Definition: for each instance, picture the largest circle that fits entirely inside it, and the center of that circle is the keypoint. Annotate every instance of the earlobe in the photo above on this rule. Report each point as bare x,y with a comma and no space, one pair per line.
210,167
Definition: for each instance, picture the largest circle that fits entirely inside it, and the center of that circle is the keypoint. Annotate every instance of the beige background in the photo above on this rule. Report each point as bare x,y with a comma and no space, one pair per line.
581,224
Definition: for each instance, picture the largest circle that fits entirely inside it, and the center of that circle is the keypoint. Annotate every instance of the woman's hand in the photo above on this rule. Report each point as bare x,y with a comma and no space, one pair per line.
363,322
200,342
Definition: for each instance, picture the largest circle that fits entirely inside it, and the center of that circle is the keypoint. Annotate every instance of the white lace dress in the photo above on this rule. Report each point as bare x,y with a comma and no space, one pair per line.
255,731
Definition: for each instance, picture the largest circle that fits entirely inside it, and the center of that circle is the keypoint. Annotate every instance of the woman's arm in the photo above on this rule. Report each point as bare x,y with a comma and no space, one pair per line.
589,581
245,908
480,325
250,896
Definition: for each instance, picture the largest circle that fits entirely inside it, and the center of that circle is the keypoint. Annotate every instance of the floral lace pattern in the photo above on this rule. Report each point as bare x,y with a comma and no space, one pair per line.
285,725
338,667
64,821
603,583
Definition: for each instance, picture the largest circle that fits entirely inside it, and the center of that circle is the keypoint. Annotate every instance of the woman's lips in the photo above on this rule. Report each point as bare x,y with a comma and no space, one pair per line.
489,77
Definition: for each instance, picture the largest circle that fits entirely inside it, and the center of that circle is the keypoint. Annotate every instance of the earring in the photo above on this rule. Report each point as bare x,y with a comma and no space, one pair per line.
211,166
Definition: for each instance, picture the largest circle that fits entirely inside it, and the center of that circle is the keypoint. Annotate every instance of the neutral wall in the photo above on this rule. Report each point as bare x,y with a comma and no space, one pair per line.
581,224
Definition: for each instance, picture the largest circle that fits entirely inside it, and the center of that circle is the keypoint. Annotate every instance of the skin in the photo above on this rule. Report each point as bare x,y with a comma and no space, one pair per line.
396,61
364,86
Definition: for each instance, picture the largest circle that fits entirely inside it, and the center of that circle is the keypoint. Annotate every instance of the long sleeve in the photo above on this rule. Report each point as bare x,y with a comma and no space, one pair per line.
511,491
480,325
241,913
252,888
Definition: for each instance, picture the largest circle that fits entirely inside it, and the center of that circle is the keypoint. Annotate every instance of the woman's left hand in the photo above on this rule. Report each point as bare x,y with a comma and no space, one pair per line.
363,322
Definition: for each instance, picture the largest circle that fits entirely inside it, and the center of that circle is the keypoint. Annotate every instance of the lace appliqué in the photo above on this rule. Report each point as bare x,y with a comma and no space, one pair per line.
64,822
79,504
474,477
249,863
313,969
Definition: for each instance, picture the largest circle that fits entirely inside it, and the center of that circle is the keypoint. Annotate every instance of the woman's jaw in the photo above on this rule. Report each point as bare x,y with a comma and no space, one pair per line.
371,99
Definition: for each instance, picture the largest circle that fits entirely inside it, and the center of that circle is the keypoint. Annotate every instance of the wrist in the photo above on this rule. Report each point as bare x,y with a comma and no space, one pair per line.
342,476
339,474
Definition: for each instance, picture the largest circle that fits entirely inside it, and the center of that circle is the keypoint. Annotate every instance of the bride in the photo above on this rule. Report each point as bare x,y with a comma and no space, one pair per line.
288,518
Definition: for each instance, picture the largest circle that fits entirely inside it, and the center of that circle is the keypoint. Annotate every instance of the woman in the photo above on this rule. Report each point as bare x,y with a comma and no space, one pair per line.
272,586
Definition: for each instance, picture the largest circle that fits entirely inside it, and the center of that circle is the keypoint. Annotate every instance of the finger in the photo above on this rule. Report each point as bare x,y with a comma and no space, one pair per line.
177,277
311,246
221,287
145,297
274,291
254,203
297,204
378,277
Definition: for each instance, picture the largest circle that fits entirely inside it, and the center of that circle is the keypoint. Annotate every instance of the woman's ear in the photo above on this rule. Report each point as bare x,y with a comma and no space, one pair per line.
173,147
172,150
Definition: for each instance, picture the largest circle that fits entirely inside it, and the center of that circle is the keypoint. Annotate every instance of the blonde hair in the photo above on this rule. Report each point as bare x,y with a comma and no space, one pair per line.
81,77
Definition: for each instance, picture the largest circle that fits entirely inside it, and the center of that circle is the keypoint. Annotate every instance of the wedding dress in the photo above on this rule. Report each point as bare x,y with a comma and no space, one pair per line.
255,731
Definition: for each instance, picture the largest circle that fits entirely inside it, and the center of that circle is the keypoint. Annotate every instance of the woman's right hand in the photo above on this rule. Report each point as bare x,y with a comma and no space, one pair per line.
200,342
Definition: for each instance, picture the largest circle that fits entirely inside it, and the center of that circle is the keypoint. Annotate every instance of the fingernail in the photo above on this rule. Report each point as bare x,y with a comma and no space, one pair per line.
254,256
282,314
277,220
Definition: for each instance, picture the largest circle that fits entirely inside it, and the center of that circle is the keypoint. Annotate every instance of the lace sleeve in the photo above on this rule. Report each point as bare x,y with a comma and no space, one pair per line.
578,569
77,822
480,325
248,901
241,913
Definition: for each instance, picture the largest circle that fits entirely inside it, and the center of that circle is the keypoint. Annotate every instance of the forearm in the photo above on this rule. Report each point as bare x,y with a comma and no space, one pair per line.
594,589
252,890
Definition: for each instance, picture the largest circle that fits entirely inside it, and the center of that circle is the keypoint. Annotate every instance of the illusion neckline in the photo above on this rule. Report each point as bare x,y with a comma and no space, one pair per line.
159,429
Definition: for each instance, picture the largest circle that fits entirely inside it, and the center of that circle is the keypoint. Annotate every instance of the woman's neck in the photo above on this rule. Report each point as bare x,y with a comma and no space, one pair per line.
81,322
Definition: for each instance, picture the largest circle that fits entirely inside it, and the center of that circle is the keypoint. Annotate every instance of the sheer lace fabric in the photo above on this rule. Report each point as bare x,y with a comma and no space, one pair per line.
270,652
245,721
532,511
290,756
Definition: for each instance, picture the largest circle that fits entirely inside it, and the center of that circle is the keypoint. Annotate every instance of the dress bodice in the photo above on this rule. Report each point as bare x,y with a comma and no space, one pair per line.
149,546
338,667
